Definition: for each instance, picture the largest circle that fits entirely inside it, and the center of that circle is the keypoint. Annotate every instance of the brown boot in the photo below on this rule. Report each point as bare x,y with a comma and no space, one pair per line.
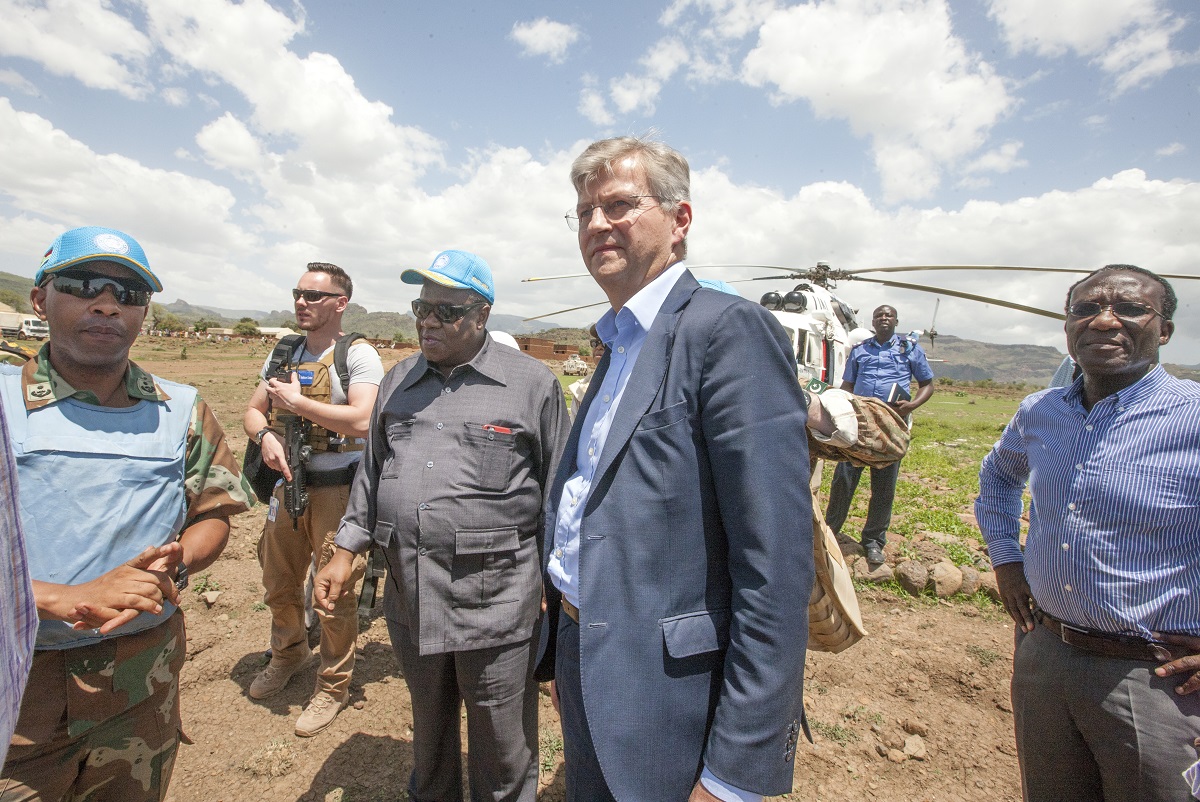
274,678
322,709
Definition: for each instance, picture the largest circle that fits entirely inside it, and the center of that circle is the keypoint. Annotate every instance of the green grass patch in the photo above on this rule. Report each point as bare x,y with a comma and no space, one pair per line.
837,733
550,746
985,656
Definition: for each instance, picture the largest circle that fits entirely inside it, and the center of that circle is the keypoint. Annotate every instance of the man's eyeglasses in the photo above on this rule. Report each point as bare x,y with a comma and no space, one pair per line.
312,296
1123,310
617,210
90,285
447,313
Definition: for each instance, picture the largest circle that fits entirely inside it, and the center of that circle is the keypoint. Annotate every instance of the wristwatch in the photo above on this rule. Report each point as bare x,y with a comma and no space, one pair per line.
258,438
181,577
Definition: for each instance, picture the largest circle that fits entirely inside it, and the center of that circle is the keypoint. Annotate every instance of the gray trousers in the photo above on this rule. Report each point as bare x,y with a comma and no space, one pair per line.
1098,728
501,698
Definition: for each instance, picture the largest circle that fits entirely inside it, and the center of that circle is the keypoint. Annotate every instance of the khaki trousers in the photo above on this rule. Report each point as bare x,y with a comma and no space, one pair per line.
285,553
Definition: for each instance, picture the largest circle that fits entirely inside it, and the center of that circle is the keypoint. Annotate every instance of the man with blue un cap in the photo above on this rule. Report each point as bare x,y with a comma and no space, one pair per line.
451,484
126,485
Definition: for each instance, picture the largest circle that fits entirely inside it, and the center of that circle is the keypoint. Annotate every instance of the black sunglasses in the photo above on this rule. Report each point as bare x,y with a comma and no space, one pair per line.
312,296
1124,310
447,313
90,285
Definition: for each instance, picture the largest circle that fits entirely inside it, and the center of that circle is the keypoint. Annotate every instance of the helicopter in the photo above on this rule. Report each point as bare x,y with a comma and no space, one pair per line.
823,327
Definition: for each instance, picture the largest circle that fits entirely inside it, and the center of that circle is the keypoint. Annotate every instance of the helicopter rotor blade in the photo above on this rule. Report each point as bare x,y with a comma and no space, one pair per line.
1077,270
983,299
553,278
562,311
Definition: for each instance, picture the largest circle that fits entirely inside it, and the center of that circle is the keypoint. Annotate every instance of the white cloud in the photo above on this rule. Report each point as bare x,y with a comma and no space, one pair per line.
894,71
1003,159
83,39
18,82
639,91
1173,149
175,96
592,106
1129,39
545,37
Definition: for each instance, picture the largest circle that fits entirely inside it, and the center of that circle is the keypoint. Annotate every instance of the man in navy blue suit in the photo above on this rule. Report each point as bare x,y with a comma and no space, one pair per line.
678,553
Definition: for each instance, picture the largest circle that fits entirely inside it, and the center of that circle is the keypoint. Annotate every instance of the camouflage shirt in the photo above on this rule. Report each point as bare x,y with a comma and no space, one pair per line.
213,480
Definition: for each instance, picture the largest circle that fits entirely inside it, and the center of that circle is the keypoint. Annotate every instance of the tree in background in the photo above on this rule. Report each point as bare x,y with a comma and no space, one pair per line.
204,324
246,327
169,322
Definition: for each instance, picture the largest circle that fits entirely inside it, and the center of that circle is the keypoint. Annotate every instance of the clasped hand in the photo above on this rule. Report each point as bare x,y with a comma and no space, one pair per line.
118,596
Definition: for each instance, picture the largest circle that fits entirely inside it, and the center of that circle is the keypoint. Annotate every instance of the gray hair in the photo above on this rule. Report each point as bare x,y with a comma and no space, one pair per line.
667,171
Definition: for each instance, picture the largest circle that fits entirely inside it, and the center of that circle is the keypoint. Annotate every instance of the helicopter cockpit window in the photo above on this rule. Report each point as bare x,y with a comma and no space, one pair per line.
845,314
801,340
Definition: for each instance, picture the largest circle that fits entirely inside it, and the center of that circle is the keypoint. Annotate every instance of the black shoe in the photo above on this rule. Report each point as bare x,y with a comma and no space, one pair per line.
874,553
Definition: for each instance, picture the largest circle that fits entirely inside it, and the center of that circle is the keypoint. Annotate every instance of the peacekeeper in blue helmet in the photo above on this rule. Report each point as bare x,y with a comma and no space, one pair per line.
127,484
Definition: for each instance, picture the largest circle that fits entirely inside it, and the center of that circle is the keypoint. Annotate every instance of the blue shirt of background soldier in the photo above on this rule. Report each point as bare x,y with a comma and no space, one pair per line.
873,368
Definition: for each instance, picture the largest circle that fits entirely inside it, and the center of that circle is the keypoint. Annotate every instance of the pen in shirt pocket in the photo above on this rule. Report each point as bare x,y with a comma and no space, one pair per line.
491,427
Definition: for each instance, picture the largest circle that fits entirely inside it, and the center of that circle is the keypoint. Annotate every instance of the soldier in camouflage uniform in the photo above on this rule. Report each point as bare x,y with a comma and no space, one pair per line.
126,484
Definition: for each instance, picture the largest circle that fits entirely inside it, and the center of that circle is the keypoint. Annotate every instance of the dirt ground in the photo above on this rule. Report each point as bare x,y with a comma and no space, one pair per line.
919,710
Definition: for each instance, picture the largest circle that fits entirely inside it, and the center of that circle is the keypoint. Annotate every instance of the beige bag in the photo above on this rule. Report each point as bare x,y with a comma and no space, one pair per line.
834,619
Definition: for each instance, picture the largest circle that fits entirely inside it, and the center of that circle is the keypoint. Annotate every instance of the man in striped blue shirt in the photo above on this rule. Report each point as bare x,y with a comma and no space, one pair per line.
1105,673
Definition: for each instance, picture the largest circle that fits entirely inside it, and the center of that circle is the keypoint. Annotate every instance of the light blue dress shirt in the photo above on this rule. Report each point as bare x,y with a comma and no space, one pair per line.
1114,525
623,334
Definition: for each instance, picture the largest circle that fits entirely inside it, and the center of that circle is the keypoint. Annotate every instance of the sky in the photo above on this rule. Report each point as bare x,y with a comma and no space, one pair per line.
239,141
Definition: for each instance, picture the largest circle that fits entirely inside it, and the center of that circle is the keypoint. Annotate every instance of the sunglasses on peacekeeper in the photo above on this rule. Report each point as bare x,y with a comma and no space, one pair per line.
447,313
312,296
128,292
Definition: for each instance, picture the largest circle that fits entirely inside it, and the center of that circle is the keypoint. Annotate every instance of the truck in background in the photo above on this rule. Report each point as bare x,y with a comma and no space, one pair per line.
23,326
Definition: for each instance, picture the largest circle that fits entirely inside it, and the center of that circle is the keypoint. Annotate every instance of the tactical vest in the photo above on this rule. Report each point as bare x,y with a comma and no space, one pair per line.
316,382
98,485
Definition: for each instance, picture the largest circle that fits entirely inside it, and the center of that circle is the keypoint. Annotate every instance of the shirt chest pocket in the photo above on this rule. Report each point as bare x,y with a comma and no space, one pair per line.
488,455
1148,499
399,437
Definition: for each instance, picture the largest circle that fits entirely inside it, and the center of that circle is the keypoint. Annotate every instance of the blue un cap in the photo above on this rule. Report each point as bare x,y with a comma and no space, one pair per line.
718,285
96,244
458,269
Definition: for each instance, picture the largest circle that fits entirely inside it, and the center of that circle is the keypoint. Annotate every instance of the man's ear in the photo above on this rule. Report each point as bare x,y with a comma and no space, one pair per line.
37,300
484,313
1168,328
683,221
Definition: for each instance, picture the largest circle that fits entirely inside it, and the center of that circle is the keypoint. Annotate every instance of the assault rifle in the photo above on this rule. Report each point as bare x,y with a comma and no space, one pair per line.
295,490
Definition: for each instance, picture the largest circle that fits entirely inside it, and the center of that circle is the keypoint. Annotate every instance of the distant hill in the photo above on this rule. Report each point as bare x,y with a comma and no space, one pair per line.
970,360
373,324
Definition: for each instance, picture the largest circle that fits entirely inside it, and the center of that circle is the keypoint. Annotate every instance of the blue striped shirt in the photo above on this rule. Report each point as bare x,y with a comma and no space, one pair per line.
1114,525
18,612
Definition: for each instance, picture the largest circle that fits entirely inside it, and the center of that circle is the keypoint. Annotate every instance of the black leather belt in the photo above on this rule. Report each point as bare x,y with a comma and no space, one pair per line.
334,478
1106,644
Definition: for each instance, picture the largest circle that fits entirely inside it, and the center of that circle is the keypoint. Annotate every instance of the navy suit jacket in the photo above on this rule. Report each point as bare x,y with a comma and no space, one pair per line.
696,559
